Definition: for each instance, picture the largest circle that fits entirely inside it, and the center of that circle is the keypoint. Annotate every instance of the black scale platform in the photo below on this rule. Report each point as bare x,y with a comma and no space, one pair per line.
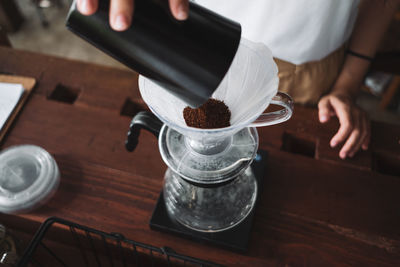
235,238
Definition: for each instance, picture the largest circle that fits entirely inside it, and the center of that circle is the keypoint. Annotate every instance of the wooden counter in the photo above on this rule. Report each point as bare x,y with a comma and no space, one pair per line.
315,210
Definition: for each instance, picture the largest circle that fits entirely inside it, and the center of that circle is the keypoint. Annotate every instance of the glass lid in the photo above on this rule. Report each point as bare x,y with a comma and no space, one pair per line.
29,175
208,161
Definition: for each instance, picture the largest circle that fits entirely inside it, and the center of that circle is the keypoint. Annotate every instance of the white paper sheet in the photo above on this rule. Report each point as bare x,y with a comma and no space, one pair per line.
10,94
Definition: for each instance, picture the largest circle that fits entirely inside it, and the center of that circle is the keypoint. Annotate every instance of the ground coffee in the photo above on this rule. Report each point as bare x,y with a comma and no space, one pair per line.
212,114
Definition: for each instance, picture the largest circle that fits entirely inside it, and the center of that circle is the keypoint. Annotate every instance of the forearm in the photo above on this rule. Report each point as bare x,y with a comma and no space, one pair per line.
373,19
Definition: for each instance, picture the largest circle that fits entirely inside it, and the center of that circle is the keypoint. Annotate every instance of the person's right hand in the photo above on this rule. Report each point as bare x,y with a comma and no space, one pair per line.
355,128
121,11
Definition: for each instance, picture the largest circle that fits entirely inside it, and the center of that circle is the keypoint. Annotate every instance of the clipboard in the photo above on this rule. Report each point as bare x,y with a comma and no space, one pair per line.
28,83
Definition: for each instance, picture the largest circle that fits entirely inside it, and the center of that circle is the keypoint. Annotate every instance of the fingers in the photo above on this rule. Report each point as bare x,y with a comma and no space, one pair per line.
346,122
363,133
359,136
121,12
352,141
324,110
87,7
179,8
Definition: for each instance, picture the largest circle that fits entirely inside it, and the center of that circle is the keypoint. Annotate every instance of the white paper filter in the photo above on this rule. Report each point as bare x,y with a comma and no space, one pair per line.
247,89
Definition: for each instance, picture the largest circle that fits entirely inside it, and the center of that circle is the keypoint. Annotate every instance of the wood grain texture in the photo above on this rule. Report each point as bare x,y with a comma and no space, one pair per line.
314,210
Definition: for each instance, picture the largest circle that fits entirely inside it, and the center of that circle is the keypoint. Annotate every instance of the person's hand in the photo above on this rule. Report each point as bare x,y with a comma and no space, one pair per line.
121,11
354,129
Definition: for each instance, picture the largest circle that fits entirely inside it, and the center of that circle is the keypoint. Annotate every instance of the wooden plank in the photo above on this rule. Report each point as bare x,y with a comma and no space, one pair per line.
287,218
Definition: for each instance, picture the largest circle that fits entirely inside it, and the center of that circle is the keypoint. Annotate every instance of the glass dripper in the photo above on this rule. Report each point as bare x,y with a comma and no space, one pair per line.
209,185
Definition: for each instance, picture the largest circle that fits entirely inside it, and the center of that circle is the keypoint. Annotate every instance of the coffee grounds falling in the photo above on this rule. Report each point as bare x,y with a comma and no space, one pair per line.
212,114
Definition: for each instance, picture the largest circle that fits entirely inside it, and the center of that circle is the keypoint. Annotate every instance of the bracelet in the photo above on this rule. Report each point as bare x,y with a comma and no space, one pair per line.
348,51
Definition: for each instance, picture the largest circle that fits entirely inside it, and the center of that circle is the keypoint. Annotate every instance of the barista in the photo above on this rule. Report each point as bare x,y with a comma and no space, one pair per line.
323,49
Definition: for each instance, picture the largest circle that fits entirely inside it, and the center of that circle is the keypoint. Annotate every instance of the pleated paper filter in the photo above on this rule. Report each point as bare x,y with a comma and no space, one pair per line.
247,89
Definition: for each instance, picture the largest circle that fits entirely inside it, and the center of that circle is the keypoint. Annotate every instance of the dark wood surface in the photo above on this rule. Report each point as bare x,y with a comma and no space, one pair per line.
315,210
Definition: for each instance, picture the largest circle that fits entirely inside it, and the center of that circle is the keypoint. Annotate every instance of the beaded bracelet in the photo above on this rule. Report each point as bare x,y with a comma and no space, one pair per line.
348,51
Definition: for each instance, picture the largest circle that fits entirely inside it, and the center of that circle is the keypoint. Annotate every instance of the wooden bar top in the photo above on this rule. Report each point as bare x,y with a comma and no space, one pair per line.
315,209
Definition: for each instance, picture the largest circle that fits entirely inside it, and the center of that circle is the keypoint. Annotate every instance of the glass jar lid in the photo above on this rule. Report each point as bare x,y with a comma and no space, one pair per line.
29,176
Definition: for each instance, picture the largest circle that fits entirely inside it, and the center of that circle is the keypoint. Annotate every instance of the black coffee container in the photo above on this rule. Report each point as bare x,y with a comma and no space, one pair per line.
188,58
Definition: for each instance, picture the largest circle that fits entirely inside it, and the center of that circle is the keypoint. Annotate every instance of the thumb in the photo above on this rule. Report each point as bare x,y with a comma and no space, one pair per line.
179,8
324,109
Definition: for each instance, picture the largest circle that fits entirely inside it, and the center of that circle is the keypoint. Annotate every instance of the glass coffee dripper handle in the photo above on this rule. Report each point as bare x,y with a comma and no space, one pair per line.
142,120
275,117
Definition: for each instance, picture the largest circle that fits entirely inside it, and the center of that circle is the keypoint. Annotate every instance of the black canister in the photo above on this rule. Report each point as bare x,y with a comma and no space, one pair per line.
188,58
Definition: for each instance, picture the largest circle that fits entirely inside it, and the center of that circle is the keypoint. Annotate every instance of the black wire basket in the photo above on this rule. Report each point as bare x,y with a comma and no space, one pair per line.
59,242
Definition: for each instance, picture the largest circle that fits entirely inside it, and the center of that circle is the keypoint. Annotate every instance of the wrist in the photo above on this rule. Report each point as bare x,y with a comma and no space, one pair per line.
347,91
344,96
347,85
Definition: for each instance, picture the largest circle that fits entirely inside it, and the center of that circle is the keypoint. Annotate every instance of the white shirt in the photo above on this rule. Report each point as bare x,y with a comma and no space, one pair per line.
297,31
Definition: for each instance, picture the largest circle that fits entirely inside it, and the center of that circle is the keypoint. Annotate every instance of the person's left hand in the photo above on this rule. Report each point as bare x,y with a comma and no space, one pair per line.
354,128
